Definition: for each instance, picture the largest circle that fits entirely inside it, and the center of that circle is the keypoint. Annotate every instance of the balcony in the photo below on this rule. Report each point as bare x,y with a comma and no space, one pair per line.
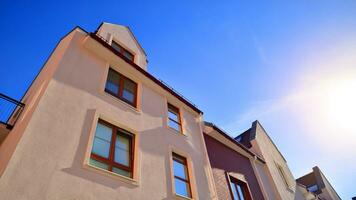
10,110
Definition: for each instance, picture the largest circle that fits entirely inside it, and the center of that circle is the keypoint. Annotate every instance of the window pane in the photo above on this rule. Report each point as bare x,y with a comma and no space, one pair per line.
129,90
241,193
313,188
116,46
174,125
101,147
122,150
121,172
101,144
122,142
122,156
128,96
103,132
98,164
173,116
182,188
128,55
234,191
179,170
112,83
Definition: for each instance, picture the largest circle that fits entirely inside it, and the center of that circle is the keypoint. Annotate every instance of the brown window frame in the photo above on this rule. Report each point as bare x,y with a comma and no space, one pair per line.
123,50
245,191
111,160
122,79
175,110
178,158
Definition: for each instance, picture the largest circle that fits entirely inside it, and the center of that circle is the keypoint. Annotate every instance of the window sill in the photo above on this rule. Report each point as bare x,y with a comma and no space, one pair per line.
174,131
290,190
182,197
111,174
116,99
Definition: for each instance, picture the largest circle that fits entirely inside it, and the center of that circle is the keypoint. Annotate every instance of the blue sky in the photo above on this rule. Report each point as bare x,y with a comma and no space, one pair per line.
280,62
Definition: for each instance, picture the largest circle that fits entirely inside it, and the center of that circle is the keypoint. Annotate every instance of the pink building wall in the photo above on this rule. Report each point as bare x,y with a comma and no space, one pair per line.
50,146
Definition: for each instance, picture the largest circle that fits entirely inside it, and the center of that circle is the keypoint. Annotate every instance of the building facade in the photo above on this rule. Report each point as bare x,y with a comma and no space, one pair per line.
278,176
95,124
317,183
233,166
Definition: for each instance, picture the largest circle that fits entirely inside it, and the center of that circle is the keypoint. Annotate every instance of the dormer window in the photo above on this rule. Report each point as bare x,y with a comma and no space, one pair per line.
122,51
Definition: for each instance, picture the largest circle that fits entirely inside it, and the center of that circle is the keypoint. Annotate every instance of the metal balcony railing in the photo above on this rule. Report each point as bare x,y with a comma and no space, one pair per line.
10,110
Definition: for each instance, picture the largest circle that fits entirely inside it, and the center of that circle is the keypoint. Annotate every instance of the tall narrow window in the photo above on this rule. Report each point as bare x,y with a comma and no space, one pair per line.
181,176
283,175
122,50
121,87
239,189
112,149
174,120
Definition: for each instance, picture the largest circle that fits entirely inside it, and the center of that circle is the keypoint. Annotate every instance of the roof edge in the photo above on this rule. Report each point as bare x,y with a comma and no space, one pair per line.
223,133
48,57
130,31
254,124
145,73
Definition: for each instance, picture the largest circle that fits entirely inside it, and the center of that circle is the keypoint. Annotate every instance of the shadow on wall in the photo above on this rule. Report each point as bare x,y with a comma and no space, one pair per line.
152,131
77,166
78,170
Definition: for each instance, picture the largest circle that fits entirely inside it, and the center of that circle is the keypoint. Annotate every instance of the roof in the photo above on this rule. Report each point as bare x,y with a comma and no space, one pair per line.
128,28
316,177
250,134
245,138
223,133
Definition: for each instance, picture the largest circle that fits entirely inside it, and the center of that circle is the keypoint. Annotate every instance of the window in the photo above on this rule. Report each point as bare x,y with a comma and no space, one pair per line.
283,175
181,176
112,149
239,189
121,87
122,51
313,188
239,138
174,118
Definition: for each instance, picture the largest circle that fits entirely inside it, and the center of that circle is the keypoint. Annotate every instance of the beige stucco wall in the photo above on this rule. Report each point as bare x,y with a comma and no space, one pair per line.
264,147
31,99
49,160
266,184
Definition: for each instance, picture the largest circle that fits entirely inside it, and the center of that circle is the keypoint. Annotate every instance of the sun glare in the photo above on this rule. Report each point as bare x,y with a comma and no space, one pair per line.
340,104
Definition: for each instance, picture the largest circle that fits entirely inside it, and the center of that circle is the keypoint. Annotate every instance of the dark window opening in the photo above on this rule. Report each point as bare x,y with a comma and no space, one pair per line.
122,87
174,120
122,51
